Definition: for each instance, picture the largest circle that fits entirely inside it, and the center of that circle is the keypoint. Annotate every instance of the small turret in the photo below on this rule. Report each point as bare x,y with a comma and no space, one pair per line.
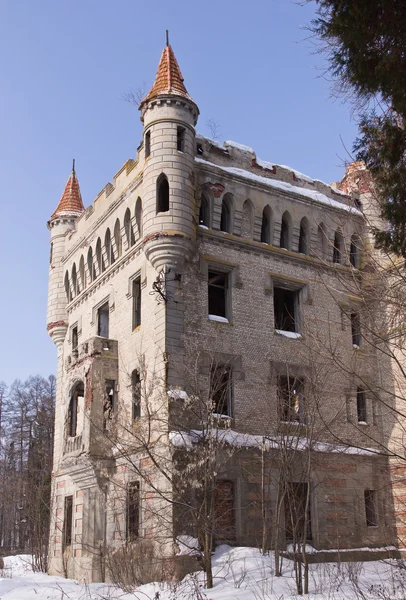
63,220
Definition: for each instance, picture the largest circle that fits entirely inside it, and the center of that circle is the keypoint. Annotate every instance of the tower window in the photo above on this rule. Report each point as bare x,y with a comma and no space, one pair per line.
77,395
103,320
221,389
109,401
286,309
180,139
291,399
162,204
371,513
136,394
361,406
75,339
147,144
133,510
204,215
136,291
68,521
356,330
218,293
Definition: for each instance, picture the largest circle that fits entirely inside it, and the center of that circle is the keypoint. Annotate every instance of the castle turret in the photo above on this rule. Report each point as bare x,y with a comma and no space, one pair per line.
169,116
63,220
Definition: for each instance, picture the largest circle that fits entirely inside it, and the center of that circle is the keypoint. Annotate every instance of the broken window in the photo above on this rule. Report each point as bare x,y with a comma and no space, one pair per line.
180,139
68,521
133,510
75,339
103,320
225,219
371,513
221,389
136,293
285,309
304,237
218,293
136,395
297,512
162,194
286,232
361,406
266,225
147,144
356,330
76,396
337,247
204,215
109,401
291,400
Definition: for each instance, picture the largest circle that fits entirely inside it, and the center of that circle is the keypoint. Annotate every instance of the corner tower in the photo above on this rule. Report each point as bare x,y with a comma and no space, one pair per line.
169,116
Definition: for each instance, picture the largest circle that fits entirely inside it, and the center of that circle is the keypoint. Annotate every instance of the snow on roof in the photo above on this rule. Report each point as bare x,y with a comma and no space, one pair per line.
313,195
239,146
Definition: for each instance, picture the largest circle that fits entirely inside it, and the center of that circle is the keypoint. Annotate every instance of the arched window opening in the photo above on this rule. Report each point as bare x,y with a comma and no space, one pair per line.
128,226
304,237
90,266
147,144
67,288
180,139
162,194
74,281
99,257
82,274
138,216
321,241
136,395
204,213
226,214
355,251
337,247
117,238
109,248
286,232
266,225
76,398
247,222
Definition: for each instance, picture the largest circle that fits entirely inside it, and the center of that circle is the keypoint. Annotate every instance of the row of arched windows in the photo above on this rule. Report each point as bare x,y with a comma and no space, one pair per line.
326,250
105,253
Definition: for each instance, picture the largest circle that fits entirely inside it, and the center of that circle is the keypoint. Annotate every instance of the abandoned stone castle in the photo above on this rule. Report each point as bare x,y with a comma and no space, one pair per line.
209,295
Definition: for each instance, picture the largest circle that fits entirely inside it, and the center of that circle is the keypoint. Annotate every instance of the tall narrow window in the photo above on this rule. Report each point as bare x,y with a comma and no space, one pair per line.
103,320
356,330
361,406
138,216
226,217
147,144
109,401
76,398
133,510
266,226
128,226
221,389
291,400
82,273
204,215
180,139
109,248
136,395
218,293
321,241
99,257
74,280
162,194
354,251
75,339
337,248
297,512
247,220
117,238
68,521
136,292
304,237
67,288
285,309
286,232
224,512
371,512
90,265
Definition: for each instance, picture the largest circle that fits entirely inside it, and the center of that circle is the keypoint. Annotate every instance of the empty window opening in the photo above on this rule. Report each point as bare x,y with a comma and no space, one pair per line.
354,252
225,219
297,512
117,238
218,293
204,215
361,406
109,401
136,293
304,237
133,510
90,265
356,330
51,250
74,281
75,399
291,400
247,219
337,248
266,226
221,390
109,248
67,288
99,257
136,395
285,309
68,521
82,274
138,216
147,144
224,512
180,139
103,320
75,339
285,237
199,149
128,227
371,512
162,195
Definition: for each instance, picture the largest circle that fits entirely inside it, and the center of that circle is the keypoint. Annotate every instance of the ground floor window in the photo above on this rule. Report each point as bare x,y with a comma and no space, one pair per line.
297,512
68,521
224,512
133,510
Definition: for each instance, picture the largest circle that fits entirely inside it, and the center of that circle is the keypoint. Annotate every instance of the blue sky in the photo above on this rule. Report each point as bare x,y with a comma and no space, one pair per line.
65,67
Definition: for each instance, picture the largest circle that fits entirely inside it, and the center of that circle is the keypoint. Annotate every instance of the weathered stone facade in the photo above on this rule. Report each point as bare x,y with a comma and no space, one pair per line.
146,249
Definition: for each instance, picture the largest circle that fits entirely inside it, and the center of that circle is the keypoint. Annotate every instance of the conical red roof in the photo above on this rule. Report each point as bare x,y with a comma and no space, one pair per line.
169,79
71,201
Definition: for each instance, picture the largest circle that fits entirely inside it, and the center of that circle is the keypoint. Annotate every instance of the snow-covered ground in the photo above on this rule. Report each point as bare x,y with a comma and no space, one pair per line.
240,573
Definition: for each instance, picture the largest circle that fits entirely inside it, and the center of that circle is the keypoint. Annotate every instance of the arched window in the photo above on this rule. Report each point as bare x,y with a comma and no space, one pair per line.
247,222
117,238
90,265
76,398
162,194
109,248
147,144
99,257
286,232
266,226
82,274
304,235
204,212
322,240
226,214
338,247
67,288
128,226
136,394
74,281
138,216
355,251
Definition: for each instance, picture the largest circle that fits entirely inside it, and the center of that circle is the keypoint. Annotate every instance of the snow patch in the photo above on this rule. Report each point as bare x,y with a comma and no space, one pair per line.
242,147
188,546
218,319
181,394
202,226
288,334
